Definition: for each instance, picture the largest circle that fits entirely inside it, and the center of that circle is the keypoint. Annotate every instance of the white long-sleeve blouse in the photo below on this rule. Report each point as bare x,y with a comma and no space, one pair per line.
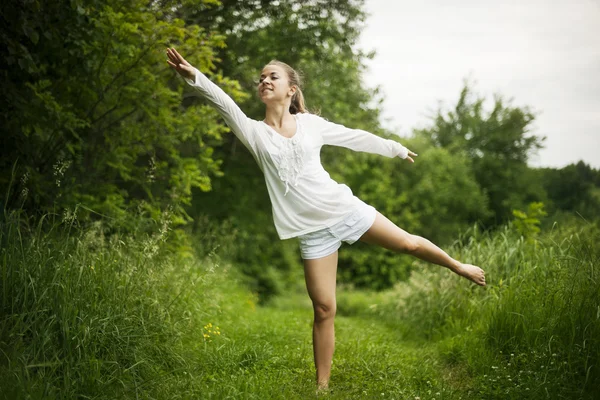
303,196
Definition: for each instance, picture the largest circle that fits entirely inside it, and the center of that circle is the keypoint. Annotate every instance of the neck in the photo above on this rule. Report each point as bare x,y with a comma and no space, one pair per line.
276,114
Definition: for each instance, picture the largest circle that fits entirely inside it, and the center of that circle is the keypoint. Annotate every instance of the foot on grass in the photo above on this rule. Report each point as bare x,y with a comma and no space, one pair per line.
322,391
472,273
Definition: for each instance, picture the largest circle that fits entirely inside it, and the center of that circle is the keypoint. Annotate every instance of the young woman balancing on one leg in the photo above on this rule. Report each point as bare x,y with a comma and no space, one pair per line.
306,202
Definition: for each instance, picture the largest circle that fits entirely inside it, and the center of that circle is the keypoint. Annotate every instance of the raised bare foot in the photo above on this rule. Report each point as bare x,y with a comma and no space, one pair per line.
472,273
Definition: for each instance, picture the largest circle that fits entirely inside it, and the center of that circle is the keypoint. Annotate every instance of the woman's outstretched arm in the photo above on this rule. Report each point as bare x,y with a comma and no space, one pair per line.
360,140
235,118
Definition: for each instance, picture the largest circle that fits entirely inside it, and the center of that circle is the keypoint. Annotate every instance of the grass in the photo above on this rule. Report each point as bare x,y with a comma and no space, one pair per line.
269,355
92,315
533,332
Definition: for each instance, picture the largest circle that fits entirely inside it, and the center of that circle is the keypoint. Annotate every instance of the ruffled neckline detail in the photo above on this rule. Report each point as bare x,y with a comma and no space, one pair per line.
291,155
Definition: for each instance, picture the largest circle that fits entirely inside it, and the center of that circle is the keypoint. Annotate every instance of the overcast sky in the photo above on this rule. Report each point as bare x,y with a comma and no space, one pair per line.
541,53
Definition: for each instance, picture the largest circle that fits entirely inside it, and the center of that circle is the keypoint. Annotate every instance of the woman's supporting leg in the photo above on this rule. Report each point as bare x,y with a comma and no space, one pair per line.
386,234
320,276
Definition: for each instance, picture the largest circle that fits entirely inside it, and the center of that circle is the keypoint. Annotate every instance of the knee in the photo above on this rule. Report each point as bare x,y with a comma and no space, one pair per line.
324,311
410,245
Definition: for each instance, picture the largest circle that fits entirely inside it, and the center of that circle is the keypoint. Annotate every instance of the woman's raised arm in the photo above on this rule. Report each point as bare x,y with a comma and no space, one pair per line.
360,140
235,118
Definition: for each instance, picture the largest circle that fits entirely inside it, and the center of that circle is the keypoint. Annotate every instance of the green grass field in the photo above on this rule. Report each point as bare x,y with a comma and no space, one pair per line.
89,315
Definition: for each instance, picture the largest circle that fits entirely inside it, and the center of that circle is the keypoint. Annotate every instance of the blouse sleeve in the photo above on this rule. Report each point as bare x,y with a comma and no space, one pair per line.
359,140
234,117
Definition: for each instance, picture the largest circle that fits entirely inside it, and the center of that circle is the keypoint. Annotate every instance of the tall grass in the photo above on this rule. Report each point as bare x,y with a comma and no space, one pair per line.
89,315
533,332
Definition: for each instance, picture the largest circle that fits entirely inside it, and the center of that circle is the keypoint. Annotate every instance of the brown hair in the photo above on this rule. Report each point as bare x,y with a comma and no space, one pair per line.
297,105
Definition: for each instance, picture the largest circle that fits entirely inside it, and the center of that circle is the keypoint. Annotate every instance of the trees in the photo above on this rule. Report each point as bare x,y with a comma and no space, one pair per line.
574,188
91,112
498,144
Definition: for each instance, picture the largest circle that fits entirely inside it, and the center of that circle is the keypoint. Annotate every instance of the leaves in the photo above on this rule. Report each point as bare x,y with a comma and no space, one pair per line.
497,143
528,223
96,87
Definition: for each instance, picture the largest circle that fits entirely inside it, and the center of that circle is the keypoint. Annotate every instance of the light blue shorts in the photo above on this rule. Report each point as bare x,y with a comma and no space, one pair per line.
326,241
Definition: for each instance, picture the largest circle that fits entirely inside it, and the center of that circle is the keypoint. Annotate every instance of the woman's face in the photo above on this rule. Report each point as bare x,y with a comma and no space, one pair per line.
274,85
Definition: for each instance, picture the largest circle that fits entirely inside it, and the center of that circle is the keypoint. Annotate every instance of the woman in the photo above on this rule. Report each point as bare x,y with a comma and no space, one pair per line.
306,202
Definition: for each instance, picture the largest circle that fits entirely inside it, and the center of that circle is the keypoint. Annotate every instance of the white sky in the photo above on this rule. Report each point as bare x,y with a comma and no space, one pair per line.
540,53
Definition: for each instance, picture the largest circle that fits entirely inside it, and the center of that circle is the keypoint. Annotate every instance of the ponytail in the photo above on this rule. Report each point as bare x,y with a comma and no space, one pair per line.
297,105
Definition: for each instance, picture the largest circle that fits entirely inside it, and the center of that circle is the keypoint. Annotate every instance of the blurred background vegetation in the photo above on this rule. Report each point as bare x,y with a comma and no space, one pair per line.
101,138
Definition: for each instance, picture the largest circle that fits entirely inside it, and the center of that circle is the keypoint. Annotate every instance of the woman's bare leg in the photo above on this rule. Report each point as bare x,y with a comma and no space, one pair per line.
386,234
320,276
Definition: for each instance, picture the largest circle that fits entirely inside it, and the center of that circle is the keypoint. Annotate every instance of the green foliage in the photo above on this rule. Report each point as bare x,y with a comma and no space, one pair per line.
437,197
445,195
89,314
498,145
94,115
528,223
96,313
533,330
317,37
574,188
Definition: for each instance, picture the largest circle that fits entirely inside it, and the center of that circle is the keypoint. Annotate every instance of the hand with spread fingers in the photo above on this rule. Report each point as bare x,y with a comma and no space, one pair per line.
179,64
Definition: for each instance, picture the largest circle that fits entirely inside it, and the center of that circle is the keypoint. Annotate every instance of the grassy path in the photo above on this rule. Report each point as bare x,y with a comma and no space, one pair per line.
83,319
269,355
